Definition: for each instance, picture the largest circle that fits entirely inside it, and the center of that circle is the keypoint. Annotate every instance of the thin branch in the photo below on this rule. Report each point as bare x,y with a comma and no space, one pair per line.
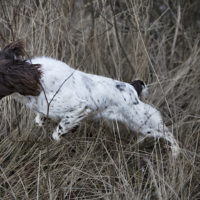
118,39
176,34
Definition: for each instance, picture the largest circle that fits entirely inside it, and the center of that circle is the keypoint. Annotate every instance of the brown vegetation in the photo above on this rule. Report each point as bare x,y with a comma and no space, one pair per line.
157,41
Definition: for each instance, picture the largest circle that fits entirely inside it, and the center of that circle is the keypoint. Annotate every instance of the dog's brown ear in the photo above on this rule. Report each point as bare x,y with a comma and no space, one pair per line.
15,49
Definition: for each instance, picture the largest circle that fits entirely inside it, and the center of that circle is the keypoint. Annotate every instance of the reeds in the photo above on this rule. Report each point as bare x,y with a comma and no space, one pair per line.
156,41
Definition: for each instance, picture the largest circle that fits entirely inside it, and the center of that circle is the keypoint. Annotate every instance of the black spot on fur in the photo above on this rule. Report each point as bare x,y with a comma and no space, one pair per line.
60,127
136,102
43,118
138,85
88,83
81,116
120,87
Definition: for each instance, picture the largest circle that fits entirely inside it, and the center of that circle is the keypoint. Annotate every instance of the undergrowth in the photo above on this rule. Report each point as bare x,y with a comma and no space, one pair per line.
156,41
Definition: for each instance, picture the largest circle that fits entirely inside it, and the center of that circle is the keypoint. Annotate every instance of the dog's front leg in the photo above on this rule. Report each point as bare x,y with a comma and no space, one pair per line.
70,121
40,119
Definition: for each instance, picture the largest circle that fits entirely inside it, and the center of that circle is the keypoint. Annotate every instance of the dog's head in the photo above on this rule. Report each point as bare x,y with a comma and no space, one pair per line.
13,51
16,74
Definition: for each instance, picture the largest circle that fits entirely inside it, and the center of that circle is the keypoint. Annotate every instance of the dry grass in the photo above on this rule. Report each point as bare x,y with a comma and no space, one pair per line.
157,42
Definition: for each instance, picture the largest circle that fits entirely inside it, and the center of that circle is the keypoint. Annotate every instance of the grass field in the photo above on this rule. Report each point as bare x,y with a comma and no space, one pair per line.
156,41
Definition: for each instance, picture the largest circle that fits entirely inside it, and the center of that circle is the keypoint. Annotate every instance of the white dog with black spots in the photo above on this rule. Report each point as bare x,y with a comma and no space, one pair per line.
70,96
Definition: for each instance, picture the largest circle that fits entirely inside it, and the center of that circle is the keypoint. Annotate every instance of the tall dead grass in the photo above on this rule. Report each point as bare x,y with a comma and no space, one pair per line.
157,41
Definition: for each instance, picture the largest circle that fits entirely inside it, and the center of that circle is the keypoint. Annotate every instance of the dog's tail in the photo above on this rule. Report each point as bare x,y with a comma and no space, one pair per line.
15,49
140,88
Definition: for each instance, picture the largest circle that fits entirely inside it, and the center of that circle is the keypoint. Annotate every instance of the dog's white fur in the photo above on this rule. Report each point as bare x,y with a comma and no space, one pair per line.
87,96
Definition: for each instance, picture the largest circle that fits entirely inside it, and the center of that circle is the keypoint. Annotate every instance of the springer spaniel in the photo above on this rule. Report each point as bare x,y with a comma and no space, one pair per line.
50,87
